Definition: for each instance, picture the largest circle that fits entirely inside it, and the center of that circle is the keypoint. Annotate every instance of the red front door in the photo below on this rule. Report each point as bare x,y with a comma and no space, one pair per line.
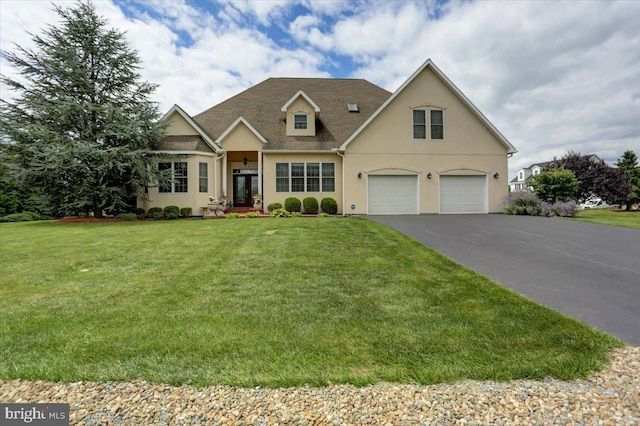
244,188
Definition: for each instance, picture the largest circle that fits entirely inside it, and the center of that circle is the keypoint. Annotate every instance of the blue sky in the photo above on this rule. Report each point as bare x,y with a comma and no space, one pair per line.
551,76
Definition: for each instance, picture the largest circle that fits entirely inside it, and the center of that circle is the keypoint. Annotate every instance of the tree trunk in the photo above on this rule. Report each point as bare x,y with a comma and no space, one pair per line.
97,211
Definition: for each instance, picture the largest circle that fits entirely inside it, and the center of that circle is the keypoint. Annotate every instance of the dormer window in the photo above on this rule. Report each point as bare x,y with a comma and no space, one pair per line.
300,121
536,172
520,175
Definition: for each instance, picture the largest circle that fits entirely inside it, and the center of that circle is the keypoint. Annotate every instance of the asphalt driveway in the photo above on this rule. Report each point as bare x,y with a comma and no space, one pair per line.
585,270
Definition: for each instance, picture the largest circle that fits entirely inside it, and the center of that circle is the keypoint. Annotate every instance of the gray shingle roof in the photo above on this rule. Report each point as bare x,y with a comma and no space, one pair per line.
260,105
181,143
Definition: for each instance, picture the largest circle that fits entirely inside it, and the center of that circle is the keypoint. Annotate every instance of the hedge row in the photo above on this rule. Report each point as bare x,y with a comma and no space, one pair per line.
308,205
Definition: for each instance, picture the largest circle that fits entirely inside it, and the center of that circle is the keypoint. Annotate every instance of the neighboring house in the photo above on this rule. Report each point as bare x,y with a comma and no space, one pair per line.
522,181
423,149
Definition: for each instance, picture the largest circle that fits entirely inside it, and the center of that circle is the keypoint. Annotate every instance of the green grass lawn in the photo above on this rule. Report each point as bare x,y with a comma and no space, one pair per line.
630,219
271,302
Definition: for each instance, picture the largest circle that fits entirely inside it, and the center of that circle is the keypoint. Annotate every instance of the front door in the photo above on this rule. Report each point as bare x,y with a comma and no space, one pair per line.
244,188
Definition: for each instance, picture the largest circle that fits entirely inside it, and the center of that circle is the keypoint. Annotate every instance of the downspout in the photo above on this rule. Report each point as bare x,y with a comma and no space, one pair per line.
344,185
215,173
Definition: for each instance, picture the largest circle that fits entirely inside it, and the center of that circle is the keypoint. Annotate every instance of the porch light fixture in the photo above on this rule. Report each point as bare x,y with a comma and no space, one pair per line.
359,175
496,175
429,175
245,161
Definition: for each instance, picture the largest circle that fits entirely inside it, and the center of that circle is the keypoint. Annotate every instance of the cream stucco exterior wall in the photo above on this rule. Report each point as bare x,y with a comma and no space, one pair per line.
386,146
178,126
269,176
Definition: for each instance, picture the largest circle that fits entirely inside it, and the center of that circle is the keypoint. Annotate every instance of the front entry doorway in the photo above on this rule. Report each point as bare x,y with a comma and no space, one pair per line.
245,186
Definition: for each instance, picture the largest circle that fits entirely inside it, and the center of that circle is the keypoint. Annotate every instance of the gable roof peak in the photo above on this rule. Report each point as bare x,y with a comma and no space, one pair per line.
298,94
178,110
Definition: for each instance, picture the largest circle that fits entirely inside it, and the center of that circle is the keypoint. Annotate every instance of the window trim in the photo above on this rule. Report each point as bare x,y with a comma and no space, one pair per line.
296,122
201,177
428,125
173,183
323,175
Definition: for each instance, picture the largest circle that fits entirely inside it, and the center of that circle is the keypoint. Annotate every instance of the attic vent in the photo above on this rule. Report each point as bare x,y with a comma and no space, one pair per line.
353,108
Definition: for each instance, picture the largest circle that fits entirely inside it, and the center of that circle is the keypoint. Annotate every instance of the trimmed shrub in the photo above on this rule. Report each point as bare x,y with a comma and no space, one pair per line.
279,213
252,215
310,205
171,209
21,217
232,215
139,212
155,213
329,205
186,212
274,206
127,216
292,204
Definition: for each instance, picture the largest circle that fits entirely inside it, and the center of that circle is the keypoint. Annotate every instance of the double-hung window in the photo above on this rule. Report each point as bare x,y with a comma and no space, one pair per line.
300,121
203,177
419,124
177,177
282,177
305,177
435,124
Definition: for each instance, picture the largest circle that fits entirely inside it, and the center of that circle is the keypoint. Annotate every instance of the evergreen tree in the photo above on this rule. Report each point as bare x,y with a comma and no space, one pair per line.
81,121
628,165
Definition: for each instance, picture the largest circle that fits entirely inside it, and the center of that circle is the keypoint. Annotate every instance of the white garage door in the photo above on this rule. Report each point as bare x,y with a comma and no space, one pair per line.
392,194
463,194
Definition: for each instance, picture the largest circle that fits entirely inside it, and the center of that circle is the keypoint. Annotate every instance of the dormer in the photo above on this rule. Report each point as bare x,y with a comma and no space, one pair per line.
535,170
300,114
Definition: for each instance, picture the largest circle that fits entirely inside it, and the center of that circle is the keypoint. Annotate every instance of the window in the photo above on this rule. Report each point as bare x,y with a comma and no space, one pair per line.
300,121
328,177
520,175
297,177
305,177
437,124
282,177
203,170
177,172
419,124
313,177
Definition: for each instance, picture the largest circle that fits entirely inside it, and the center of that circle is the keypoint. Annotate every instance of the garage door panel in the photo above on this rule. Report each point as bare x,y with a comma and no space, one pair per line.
463,194
392,194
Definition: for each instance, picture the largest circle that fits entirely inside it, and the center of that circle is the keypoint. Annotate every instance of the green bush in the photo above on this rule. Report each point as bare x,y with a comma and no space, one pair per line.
292,204
154,210
323,214
171,216
279,213
329,205
140,212
127,216
296,214
21,217
155,213
232,215
252,215
172,209
186,212
274,206
310,205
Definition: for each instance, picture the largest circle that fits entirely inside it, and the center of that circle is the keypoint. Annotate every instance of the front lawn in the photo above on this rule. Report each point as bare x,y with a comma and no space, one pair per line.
629,219
272,302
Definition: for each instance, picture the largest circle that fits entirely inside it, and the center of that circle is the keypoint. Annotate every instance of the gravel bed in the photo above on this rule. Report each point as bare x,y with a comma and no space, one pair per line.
611,397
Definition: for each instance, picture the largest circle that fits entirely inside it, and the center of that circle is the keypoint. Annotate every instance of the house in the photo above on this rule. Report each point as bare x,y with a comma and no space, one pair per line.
423,149
522,181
